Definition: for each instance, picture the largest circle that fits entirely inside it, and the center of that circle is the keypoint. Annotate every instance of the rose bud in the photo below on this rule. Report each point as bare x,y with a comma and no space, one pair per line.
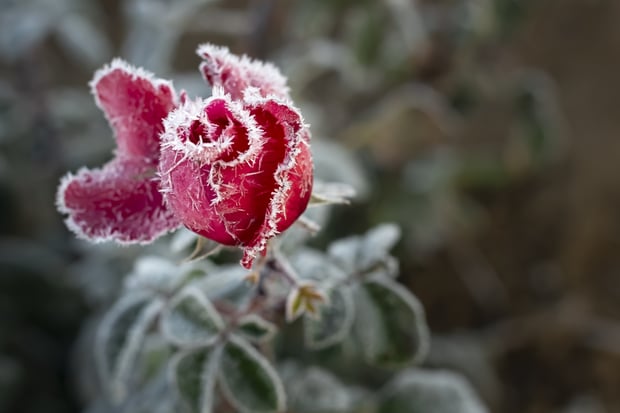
236,172
121,201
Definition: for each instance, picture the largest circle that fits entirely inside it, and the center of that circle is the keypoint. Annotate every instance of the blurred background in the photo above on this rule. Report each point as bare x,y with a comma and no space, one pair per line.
488,129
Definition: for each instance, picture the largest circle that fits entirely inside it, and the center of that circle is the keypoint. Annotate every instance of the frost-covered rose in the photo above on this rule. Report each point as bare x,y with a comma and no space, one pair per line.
121,201
235,168
236,172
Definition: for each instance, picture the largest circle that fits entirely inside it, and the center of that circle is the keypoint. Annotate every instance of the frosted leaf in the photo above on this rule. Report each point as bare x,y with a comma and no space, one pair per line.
155,274
256,329
334,320
194,374
390,324
191,320
248,380
417,390
318,391
119,341
378,242
225,282
326,193
367,255
314,266
345,253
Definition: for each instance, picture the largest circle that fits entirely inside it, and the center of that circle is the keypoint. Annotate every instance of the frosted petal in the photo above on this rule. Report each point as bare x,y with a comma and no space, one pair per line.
135,103
119,202
235,74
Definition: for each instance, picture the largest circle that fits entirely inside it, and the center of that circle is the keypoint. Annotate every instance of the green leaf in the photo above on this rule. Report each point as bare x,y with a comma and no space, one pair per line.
377,243
421,391
161,276
345,253
248,380
256,329
361,254
119,341
194,374
334,321
315,390
324,193
191,319
390,323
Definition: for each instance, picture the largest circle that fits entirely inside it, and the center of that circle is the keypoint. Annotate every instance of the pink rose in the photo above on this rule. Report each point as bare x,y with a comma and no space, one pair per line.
236,172
235,168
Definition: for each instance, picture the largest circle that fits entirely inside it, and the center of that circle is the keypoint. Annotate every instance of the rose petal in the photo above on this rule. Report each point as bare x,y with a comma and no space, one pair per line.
119,202
134,102
290,180
235,74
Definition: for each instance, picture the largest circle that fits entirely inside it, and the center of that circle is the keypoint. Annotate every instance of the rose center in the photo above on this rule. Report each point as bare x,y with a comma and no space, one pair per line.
228,132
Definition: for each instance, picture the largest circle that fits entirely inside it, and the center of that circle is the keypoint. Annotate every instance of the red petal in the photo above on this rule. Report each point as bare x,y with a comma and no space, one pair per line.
290,180
119,202
234,74
134,102
189,193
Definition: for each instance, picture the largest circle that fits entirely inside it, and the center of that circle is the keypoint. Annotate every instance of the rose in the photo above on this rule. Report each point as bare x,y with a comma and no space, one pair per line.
121,201
237,172
235,168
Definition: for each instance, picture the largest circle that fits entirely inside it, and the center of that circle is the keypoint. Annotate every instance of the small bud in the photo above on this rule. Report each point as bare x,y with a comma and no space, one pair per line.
304,299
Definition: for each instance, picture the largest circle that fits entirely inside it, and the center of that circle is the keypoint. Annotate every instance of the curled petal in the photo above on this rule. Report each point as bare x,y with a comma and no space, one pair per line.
119,202
235,74
291,179
134,102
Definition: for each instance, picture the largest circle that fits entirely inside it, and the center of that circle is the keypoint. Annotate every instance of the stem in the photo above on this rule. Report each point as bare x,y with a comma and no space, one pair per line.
283,267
